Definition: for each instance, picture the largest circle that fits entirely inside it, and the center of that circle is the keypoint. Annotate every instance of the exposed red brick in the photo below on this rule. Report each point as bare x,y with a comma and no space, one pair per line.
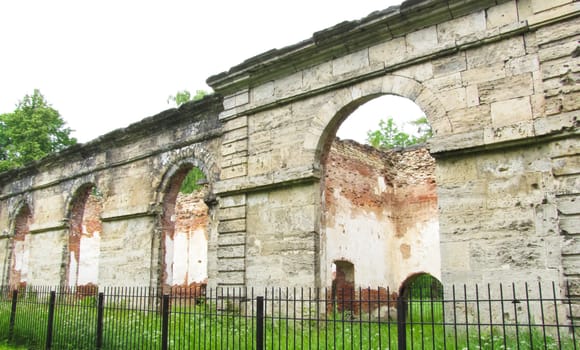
409,177
181,213
21,229
84,220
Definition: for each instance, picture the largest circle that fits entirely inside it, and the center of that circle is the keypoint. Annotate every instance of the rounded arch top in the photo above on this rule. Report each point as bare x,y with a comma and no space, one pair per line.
79,189
22,208
348,99
181,167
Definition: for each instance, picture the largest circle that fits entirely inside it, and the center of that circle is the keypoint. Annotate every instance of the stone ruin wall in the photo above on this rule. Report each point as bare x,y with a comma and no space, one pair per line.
498,81
380,223
380,214
130,170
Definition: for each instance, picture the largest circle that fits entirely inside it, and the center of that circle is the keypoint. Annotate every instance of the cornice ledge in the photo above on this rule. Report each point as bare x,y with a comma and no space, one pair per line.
274,179
343,38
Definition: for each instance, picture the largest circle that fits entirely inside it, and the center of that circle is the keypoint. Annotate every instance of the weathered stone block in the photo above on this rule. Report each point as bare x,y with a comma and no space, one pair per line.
447,82
523,64
238,225
508,132
232,213
456,171
455,255
472,95
496,52
470,119
450,64
554,12
259,164
236,123
263,93
230,278
317,76
288,85
520,190
234,171
452,30
350,63
566,165
558,49
455,141
389,53
229,252
234,159
231,239
571,246
233,201
542,5
235,147
483,74
453,99
547,220
502,14
557,31
571,101
506,88
420,72
559,67
455,198
509,253
568,205
236,135
511,111
422,41
571,265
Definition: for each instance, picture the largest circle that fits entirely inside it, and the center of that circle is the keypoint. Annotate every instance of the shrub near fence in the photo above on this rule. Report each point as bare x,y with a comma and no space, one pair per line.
517,317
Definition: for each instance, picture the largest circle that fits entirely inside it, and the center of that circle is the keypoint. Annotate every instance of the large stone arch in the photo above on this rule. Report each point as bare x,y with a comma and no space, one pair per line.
348,99
422,212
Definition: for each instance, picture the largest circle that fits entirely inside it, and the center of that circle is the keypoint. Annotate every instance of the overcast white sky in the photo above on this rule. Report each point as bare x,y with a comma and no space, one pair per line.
106,64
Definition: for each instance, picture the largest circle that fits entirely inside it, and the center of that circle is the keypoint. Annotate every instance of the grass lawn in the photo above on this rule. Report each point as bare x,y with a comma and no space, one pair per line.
4,346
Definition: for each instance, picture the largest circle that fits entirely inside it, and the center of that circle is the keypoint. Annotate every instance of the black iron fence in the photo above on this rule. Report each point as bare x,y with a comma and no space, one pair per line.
515,316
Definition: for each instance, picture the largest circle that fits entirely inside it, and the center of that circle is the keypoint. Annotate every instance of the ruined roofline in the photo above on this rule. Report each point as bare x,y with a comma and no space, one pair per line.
343,38
370,149
118,137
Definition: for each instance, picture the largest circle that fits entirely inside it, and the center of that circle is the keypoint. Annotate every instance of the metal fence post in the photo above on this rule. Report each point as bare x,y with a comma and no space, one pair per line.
165,322
100,311
51,305
12,314
401,323
259,323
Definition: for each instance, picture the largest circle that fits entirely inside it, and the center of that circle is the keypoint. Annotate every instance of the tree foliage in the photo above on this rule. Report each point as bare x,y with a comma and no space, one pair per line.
191,181
184,96
390,136
32,131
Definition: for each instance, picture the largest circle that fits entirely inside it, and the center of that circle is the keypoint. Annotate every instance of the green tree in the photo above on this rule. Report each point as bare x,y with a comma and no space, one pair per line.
32,131
390,136
185,96
191,181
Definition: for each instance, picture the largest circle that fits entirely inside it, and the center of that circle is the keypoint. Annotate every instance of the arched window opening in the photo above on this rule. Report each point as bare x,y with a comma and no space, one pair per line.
19,265
379,204
185,230
84,242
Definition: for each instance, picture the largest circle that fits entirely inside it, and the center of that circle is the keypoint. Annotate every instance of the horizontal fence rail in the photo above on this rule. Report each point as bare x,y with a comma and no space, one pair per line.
510,316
